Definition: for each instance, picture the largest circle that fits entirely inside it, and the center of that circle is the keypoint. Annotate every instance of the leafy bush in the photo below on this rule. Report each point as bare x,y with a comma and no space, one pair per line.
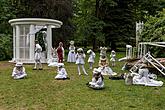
5,47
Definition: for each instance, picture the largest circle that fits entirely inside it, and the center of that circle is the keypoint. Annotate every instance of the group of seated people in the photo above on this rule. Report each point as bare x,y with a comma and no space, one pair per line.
141,77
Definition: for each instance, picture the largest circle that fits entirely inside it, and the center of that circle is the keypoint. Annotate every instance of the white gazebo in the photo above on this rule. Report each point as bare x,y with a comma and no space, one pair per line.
24,30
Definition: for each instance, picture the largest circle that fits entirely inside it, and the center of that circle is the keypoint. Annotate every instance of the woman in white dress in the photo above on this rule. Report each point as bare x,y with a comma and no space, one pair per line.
80,57
61,72
91,58
71,54
113,57
104,66
97,80
19,71
53,61
142,78
37,56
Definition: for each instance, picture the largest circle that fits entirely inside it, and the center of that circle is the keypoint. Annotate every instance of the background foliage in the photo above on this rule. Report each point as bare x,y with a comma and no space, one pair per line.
92,23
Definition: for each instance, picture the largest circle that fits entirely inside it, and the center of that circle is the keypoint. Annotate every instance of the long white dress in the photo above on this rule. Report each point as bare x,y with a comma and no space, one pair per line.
96,83
143,79
62,74
92,57
19,74
80,58
38,51
71,54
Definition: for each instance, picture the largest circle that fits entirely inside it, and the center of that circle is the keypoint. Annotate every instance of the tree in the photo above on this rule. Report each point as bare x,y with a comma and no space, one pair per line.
154,31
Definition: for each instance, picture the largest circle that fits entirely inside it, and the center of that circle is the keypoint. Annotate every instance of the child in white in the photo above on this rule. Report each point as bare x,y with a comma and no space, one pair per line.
62,74
97,80
71,54
113,57
103,51
37,57
80,56
54,60
104,66
91,58
19,71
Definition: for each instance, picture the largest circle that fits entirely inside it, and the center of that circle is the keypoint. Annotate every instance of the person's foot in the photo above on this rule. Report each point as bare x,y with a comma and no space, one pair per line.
86,74
79,73
34,68
40,68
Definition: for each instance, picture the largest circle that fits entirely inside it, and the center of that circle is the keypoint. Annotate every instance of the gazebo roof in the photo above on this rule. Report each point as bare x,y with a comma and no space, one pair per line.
36,21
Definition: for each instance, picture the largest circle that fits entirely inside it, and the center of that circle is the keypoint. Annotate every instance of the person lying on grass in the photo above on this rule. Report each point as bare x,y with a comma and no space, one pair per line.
97,80
61,72
19,71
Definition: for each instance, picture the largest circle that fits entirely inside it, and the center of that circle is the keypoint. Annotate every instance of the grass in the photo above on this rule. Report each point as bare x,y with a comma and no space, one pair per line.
39,91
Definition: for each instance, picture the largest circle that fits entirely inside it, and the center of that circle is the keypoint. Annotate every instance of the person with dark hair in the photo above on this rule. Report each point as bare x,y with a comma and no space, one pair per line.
97,80
60,52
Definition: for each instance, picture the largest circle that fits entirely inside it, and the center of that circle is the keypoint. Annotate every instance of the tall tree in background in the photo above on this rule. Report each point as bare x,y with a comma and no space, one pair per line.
52,9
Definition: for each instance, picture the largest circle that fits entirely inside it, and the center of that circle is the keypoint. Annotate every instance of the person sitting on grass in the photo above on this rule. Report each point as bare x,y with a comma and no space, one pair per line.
61,72
97,80
142,78
19,71
104,66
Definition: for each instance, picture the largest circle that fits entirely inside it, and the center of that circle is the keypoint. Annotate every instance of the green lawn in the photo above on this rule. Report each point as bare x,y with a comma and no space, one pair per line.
39,91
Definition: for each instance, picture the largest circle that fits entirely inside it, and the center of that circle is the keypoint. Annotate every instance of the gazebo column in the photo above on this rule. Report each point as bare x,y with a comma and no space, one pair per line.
32,42
49,41
14,45
17,48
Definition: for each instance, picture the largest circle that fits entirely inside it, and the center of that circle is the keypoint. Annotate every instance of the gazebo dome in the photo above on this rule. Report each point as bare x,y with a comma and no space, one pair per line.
24,30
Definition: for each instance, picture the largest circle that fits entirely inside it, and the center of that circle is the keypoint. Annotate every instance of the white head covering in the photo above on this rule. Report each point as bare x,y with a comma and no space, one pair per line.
71,42
79,50
60,65
89,51
18,64
96,70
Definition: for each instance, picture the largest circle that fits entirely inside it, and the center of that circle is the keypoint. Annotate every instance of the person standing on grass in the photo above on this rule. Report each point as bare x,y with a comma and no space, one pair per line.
113,57
91,58
71,54
62,74
60,52
19,71
80,57
37,57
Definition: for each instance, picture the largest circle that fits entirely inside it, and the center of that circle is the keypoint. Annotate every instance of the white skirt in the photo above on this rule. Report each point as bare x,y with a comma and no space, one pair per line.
71,57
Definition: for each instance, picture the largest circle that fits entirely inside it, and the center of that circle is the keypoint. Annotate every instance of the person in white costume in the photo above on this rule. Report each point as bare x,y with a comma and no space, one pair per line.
19,71
97,80
53,61
104,66
113,57
37,56
71,54
103,51
61,72
142,78
80,57
91,58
